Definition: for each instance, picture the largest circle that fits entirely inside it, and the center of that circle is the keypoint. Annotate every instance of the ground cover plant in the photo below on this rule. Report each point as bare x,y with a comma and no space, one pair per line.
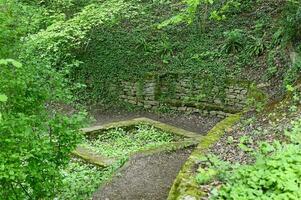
119,143
81,179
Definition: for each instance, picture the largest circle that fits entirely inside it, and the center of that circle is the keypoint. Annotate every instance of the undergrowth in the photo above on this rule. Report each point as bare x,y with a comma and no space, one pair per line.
80,180
120,143
275,173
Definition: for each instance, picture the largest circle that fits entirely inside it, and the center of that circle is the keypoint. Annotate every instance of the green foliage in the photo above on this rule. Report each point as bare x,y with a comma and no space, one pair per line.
17,20
295,134
35,139
120,143
273,176
200,11
256,47
244,141
293,73
234,41
291,23
80,180
60,43
212,167
205,176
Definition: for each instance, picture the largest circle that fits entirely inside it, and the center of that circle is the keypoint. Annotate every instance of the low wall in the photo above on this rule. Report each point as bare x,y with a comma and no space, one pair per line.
185,93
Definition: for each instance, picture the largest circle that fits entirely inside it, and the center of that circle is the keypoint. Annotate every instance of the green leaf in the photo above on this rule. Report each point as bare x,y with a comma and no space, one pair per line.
3,62
3,98
290,88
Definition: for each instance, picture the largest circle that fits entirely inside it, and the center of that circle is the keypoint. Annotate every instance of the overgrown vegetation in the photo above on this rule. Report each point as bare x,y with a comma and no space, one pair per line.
69,53
274,175
35,139
268,156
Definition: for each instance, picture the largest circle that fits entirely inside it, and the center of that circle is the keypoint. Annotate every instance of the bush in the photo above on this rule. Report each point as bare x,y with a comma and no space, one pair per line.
35,139
234,41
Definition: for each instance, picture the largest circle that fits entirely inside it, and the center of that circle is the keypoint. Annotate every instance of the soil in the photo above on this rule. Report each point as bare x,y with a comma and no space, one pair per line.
144,177
193,122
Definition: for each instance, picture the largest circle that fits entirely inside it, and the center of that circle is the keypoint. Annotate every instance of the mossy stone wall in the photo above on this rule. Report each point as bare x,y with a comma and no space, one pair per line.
186,94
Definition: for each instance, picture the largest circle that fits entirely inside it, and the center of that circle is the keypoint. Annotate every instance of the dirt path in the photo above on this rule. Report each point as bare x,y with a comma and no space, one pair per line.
149,177
193,122
144,177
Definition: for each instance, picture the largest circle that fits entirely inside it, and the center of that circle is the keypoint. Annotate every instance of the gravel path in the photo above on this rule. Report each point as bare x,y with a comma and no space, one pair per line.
144,177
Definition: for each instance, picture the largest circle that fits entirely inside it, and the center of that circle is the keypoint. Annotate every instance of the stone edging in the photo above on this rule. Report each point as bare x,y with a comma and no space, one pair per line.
190,139
128,123
185,186
92,157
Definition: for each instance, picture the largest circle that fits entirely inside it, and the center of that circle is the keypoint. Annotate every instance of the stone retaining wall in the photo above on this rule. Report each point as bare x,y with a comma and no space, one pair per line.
185,94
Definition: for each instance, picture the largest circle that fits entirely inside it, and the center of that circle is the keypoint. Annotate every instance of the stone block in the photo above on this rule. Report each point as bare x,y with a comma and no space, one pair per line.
152,103
189,109
132,102
213,113
217,101
205,112
182,109
150,98
147,106
231,96
195,110
244,91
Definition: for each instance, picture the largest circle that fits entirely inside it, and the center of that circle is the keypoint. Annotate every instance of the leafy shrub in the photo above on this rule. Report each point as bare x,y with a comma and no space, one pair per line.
35,139
295,133
291,24
204,176
81,180
212,167
17,21
234,41
256,47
